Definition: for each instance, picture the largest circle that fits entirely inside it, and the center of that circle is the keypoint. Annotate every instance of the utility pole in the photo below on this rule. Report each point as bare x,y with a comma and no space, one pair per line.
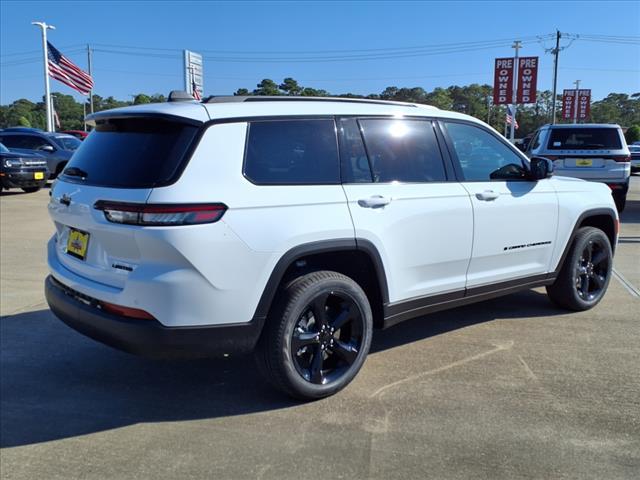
47,92
556,54
91,75
514,98
488,109
576,102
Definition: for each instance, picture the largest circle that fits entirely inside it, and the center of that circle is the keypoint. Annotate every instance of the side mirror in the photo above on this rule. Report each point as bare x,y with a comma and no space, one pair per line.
541,168
47,148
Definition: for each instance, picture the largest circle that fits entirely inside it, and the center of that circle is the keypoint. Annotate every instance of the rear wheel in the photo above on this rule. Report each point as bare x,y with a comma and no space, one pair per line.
317,337
586,272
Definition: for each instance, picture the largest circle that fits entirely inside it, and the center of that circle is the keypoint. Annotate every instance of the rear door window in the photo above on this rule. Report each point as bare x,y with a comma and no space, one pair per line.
292,152
133,152
403,150
584,139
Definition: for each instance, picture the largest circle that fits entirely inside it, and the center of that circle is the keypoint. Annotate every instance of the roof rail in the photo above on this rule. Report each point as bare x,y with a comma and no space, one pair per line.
283,98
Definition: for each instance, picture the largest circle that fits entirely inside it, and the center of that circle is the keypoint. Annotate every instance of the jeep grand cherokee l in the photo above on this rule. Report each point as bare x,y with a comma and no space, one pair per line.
293,226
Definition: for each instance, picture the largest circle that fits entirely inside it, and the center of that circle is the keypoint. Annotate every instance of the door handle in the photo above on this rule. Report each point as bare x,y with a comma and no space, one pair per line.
487,195
375,201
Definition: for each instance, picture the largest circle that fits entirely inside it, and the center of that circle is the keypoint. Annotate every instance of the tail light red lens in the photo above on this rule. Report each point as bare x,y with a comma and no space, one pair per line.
622,159
125,311
160,215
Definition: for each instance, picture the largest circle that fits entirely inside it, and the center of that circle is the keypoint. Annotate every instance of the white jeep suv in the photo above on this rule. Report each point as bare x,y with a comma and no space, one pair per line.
293,226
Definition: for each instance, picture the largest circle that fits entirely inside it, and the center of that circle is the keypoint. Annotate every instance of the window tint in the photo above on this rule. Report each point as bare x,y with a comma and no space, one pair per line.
534,144
481,154
584,138
132,152
355,164
403,150
292,152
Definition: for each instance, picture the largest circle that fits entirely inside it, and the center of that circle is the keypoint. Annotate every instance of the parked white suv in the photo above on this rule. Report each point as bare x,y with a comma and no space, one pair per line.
592,151
293,226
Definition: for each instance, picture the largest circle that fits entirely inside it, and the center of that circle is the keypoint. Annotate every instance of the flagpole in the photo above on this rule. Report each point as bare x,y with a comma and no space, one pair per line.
89,60
47,92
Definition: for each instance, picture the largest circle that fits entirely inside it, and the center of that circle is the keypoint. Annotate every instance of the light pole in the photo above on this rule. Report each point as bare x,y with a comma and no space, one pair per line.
47,93
514,98
576,101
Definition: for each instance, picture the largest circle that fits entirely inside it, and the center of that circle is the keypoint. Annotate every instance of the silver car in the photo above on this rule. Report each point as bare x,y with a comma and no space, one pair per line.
635,157
595,152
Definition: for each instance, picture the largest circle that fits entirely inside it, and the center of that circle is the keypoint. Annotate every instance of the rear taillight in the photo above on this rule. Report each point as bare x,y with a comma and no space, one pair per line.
161,214
552,157
621,159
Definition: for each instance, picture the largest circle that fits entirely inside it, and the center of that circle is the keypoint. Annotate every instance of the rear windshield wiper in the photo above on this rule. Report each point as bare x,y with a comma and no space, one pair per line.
75,172
593,145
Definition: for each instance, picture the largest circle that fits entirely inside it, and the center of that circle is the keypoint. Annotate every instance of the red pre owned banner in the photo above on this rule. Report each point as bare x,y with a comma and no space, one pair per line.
503,81
581,109
527,79
584,104
568,104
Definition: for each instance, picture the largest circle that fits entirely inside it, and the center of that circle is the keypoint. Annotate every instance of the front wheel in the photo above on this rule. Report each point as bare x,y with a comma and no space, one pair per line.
317,337
585,274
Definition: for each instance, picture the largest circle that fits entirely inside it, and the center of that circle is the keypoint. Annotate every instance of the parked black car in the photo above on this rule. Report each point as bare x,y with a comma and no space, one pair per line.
22,170
56,148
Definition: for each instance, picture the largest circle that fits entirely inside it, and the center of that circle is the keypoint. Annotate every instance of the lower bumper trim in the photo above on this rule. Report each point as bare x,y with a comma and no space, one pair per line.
149,338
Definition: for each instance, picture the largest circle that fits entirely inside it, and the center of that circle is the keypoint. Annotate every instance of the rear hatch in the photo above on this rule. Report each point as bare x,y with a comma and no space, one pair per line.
121,161
589,152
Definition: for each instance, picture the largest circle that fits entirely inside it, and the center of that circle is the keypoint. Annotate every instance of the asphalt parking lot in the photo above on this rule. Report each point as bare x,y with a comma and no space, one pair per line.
509,388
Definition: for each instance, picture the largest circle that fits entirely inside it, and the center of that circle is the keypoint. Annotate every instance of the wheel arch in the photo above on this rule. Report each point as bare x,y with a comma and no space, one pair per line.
358,259
604,219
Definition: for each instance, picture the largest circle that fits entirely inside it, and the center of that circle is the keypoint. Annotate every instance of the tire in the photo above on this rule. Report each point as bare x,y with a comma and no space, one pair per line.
326,318
31,189
620,200
586,272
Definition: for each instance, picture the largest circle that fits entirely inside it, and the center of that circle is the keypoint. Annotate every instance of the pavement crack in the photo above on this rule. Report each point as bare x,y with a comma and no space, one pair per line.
527,369
498,348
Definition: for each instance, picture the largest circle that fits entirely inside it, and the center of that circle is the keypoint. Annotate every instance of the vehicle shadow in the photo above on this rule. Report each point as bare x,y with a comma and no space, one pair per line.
57,384
631,213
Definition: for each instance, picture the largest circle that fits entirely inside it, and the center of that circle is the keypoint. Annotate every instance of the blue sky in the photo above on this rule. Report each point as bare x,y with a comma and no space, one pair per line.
271,28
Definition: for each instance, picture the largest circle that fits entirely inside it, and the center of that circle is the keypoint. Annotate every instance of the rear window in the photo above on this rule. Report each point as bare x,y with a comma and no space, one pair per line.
68,142
292,152
584,139
132,152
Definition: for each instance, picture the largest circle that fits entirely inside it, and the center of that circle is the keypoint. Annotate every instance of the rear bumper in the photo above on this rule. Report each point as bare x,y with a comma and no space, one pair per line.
148,338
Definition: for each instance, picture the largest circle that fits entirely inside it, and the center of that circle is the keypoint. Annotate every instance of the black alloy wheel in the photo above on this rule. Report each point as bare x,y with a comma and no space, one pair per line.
317,335
585,273
327,337
592,269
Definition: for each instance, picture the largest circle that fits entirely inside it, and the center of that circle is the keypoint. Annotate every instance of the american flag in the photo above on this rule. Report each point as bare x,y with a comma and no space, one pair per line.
194,88
64,70
510,117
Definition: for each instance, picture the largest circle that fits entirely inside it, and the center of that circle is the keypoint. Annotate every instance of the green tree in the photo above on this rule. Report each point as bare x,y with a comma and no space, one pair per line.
290,86
23,122
267,87
633,134
141,98
242,92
